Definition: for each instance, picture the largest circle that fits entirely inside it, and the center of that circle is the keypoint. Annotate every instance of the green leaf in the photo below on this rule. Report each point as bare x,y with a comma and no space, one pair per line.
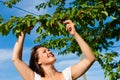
13,1
47,23
34,22
84,5
95,10
51,22
118,68
105,12
28,23
111,77
18,31
61,26
108,3
54,2
39,30
8,4
113,17
1,19
111,42
73,12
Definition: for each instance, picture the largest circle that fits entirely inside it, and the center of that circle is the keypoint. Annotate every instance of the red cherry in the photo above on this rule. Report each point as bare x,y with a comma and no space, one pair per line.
54,24
81,12
62,21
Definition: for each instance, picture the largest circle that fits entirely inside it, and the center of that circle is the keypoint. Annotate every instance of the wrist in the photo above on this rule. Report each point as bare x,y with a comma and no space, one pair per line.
22,33
75,34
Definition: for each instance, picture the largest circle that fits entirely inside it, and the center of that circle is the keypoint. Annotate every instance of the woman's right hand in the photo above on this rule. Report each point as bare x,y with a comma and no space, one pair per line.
70,27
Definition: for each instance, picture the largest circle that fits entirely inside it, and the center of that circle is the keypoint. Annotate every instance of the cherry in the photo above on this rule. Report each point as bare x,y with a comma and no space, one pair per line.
54,24
81,12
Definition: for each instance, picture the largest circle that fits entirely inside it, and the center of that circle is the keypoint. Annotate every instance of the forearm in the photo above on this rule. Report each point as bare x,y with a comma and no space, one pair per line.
88,54
17,51
82,66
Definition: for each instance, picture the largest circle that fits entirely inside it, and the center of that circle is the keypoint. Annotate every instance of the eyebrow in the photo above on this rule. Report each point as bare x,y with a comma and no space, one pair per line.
44,50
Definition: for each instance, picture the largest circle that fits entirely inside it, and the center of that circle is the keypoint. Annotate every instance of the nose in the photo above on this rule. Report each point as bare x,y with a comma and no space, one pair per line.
48,51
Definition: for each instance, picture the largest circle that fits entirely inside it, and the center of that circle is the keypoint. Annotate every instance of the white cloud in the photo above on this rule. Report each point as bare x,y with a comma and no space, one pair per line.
5,54
65,63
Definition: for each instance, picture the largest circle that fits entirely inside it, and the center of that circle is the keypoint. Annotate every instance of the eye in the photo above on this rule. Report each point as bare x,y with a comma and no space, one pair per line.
44,51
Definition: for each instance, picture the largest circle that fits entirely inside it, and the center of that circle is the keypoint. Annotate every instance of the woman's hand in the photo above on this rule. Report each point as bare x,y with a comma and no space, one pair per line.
28,29
81,67
70,27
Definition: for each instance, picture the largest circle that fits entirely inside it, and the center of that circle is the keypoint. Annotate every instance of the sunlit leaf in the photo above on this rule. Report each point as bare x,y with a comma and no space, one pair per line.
105,12
54,2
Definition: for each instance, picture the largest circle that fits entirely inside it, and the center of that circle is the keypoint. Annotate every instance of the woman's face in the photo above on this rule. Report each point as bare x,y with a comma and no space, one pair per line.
45,56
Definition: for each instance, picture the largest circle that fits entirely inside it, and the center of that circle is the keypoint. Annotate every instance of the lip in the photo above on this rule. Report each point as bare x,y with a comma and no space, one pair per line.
50,55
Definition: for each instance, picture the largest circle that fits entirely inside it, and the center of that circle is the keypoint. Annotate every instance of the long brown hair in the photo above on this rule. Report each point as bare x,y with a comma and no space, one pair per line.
33,63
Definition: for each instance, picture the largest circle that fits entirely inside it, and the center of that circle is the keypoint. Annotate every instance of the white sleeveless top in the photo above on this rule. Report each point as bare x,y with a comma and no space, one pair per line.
66,73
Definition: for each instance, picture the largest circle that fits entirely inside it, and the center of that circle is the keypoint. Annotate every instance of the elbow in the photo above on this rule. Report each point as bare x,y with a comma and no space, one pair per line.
93,59
14,59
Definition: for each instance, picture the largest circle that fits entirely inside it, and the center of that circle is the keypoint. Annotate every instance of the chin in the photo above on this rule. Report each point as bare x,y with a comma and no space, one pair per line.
53,60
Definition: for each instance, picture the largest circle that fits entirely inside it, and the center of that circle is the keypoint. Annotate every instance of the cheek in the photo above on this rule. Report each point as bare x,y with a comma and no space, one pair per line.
43,58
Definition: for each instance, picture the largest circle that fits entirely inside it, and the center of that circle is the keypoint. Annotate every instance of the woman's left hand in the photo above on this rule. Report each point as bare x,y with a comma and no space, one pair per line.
28,29
70,27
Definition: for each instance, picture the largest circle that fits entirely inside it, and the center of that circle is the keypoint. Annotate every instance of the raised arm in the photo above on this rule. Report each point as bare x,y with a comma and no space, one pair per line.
22,68
82,66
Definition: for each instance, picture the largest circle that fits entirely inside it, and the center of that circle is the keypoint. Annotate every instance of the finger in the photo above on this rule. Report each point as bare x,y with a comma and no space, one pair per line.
70,29
67,26
67,22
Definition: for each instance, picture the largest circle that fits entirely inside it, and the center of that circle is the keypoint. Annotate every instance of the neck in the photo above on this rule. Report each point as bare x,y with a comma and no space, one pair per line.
49,70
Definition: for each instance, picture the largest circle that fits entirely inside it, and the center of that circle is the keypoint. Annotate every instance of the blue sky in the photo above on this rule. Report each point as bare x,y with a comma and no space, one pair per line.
7,69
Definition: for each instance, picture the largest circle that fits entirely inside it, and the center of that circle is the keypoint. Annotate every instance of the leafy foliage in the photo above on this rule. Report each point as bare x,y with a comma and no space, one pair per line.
110,66
9,3
17,24
90,18
1,19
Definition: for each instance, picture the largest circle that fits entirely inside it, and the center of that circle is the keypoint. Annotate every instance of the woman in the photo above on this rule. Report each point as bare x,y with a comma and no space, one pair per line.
42,60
